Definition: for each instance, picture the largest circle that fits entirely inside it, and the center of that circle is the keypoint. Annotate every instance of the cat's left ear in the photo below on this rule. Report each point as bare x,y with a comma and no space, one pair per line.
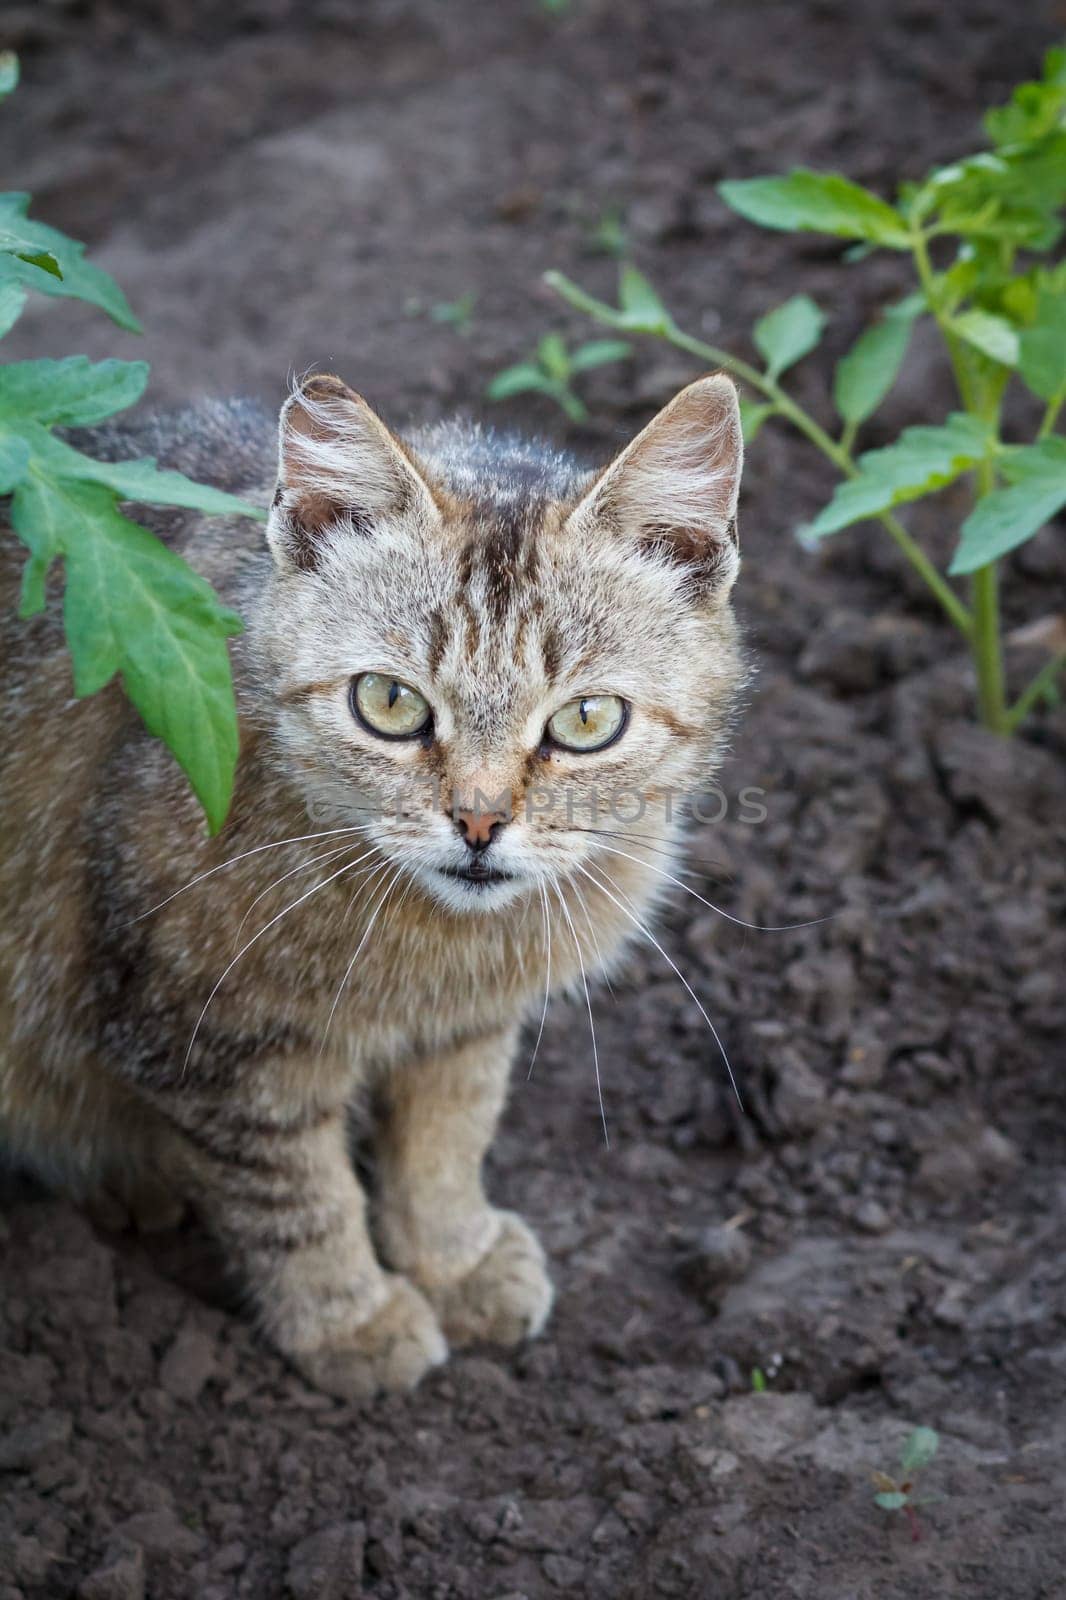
338,467
674,490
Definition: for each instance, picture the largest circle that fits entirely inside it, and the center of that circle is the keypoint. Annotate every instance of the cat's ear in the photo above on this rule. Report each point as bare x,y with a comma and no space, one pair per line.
338,465
674,490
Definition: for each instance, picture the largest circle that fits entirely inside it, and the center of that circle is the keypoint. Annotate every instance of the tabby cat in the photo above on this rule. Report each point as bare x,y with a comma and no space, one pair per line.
459,648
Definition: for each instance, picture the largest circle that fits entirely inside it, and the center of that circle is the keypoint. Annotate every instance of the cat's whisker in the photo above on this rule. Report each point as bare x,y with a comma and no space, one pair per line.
588,1002
595,941
547,977
393,881
640,927
643,841
275,844
754,927
305,866
254,940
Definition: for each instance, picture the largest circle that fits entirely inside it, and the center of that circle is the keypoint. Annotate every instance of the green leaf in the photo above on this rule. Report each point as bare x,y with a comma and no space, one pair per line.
14,459
1008,517
71,393
554,356
1034,109
753,414
890,1500
132,606
919,1450
80,279
518,379
37,518
140,481
817,202
920,461
9,73
1042,347
143,481
598,352
642,310
12,300
785,335
993,336
866,374
12,245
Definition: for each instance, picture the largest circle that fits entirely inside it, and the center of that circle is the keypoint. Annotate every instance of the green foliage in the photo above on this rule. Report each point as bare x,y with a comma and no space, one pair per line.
9,73
978,232
893,1494
457,314
131,606
552,369
607,236
758,1381
921,461
817,202
1006,518
786,335
866,374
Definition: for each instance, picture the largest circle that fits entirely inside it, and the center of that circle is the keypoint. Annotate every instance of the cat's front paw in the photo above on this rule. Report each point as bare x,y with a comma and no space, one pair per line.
399,1344
505,1297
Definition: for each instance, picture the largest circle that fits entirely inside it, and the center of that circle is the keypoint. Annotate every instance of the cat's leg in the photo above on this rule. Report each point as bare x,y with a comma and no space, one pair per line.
481,1268
280,1192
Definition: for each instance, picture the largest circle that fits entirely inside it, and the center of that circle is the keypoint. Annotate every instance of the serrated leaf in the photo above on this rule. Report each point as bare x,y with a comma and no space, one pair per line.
37,518
919,1449
518,379
890,1500
141,481
817,202
753,414
70,393
993,336
132,606
598,352
788,333
1008,517
866,374
12,300
641,308
9,73
919,462
80,280
1042,346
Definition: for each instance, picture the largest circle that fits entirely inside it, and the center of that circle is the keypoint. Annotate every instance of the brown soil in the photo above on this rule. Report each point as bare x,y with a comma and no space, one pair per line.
284,186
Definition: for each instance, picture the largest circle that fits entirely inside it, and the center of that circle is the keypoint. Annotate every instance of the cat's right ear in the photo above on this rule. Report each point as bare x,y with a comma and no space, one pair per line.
339,467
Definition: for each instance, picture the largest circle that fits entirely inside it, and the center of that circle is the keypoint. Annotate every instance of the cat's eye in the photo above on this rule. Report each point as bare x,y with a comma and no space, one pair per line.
389,708
590,723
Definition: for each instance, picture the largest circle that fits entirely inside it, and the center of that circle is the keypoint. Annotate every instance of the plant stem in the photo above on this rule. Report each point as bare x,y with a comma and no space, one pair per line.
838,455
986,641
1034,691
987,651
1051,416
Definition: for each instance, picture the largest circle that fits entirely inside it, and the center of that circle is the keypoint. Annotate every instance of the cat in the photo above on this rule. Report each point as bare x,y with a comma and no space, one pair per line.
458,648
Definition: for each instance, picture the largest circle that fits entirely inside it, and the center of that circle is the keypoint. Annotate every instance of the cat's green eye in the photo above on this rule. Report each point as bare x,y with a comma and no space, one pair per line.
591,723
389,708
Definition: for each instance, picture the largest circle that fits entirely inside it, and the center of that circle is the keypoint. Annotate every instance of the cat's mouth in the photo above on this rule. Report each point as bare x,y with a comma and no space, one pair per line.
478,874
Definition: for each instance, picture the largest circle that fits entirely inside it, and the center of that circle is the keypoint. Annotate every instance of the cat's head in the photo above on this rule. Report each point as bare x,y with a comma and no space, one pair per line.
489,658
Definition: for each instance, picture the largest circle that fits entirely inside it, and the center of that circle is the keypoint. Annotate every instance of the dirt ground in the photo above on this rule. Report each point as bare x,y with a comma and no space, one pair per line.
282,186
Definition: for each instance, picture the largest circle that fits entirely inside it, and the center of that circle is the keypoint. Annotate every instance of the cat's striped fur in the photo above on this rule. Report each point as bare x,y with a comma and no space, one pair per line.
500,580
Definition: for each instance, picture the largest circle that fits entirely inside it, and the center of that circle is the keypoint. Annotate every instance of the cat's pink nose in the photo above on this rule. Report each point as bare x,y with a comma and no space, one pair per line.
479,828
